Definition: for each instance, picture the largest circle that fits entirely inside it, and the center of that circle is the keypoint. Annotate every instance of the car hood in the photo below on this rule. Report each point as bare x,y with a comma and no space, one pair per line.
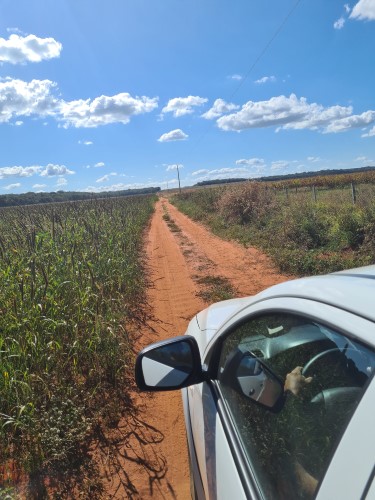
206,323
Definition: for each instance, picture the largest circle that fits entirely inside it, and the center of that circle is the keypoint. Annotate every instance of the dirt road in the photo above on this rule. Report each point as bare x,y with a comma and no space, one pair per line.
180,253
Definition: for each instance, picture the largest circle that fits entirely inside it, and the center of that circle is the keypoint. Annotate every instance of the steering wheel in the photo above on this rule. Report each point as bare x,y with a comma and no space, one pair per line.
316,358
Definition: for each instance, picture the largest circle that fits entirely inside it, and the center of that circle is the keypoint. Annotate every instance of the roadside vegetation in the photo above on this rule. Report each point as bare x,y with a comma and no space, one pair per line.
71,286
304,229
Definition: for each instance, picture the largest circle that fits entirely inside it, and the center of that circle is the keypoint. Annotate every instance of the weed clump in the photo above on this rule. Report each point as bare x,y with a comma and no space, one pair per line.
246,203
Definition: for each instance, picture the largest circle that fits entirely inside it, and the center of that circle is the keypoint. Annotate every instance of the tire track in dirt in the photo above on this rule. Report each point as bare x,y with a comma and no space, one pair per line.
153,459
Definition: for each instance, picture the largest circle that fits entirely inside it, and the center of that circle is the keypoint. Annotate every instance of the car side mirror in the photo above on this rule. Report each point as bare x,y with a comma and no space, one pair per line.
169,364
253,379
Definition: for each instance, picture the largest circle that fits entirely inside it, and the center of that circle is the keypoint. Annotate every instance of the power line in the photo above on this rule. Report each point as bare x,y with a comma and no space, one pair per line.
259,57
266,47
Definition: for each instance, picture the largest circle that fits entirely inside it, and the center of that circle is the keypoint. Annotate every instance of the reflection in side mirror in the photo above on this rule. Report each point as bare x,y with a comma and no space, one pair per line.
258,383
169,364
249,376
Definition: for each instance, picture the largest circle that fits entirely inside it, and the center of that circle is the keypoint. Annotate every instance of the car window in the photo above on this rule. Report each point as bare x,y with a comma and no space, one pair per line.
289,448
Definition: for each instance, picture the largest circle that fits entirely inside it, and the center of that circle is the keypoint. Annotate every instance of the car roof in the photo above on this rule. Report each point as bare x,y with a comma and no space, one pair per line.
352,290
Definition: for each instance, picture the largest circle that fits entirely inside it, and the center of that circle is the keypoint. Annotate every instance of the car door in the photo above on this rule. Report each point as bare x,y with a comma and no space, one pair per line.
287,453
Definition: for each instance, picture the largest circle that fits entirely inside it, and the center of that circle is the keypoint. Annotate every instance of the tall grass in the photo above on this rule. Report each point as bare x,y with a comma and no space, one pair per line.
71,282
303,236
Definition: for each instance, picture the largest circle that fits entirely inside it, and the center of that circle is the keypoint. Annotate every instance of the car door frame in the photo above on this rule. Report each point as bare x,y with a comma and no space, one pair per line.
345,322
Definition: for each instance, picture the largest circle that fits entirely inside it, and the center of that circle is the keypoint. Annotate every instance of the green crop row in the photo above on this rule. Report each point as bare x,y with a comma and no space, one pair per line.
302,235
71,283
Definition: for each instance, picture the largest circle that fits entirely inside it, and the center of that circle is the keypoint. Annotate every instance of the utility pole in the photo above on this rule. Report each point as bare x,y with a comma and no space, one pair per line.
178,175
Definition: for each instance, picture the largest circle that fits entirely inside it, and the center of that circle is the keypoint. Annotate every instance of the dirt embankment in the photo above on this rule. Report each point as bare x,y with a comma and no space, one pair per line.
152,460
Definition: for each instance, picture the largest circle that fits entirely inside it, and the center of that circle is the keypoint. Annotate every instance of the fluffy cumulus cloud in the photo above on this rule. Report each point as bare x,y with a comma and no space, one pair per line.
20,98
99,164
173,135
21,49
294,113
219,108
364,10
104,110
49,170
181,106
86,143
52,170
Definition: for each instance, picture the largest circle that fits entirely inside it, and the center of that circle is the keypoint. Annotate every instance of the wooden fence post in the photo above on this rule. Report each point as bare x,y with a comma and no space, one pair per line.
314,193
354,194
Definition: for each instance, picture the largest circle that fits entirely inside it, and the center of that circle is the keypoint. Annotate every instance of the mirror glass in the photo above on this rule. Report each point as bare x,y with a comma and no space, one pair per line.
168,365
257,382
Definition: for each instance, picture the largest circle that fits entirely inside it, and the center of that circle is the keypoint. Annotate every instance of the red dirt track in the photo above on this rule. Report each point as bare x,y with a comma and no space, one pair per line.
155,461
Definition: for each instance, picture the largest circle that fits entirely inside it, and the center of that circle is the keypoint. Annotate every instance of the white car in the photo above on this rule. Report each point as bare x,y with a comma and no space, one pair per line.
278,390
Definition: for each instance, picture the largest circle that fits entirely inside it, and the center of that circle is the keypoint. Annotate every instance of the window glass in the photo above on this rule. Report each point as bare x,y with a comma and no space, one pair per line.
323,374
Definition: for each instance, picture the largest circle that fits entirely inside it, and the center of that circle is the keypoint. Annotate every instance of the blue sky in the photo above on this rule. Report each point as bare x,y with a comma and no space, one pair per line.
98,96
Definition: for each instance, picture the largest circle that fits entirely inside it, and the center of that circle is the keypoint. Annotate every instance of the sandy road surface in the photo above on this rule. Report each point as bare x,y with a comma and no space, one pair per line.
155,461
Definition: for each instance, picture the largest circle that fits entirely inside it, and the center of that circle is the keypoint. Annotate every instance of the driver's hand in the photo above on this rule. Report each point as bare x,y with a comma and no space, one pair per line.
295,381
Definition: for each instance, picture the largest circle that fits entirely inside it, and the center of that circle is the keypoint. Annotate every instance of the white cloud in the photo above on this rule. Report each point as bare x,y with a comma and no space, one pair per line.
39,186
347,8
12,186
86,143
121,186
99,164
200,172
314,159
279,165
61,181
294,113
21,49
181,106
48,171
173,167
236,77
105,178
364,10
18,123
16,30
173,135
339,24
52,170
8,172
353,121
104,110
19,98
251,162
266,79
370,133
219,108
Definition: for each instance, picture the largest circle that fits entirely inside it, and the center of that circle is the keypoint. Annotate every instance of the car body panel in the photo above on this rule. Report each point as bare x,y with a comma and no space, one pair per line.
348,323
353,463
342,303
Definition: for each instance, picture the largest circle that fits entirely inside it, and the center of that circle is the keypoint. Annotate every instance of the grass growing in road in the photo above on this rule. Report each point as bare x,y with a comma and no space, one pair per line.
215,288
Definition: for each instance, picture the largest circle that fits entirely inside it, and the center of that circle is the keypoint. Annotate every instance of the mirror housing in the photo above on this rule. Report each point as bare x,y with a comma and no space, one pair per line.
168,365
249,376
